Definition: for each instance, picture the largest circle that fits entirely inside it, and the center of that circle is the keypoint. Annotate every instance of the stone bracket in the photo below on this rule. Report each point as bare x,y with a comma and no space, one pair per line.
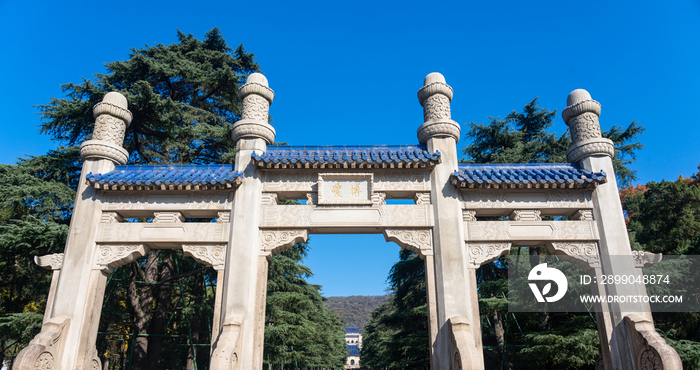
582,254
483,253
276,240
167,234
416,240
207,254
645,259
111,256
50,261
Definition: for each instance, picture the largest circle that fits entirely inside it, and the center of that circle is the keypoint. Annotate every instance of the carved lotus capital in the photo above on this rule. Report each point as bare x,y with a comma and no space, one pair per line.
253,129
257,89
99,149
585,106
433,88
440,128
113,110
590,147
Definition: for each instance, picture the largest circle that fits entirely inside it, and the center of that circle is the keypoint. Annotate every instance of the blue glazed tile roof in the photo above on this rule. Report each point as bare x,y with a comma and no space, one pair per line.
354,350
339,156
352,329
540,175
173,177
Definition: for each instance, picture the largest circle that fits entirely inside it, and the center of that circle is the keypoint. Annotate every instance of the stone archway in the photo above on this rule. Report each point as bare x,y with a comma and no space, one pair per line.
346,188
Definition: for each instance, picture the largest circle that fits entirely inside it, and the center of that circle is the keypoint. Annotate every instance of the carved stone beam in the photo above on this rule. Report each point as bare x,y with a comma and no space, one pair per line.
51,262
644,259
538,231
416,240
483,253
277,240
649,349
111,256
207,254
584,255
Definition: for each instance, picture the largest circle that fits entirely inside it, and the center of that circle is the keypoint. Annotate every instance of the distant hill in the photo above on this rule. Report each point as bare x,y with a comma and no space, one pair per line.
355,310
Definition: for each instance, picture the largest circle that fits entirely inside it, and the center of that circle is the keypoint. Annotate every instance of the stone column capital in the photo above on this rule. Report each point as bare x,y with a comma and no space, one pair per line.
582,116
435,97
256,97
111,120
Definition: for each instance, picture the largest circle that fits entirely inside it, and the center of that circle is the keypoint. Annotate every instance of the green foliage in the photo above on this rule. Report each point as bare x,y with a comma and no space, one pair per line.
666,217
355,310
298,328
572,345
523,137
183,97
688,350
35,205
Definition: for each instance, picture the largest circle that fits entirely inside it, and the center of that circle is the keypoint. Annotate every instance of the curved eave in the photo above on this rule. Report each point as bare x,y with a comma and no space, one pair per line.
346,157
528,176
182,177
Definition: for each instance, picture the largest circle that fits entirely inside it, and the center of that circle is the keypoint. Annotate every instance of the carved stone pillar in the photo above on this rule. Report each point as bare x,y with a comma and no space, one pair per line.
455,284
53,262
111,120
594,153
256,97
211,255
79,290
421,242
239,343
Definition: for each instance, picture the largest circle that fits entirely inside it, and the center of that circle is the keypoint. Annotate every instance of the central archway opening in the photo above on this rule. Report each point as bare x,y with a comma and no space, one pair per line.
378,291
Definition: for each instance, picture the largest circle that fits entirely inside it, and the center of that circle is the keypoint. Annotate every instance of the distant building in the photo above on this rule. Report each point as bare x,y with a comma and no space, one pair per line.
353,339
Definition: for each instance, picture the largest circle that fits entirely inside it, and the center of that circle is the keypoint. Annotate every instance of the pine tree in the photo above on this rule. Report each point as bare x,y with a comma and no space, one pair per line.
183,97
35,203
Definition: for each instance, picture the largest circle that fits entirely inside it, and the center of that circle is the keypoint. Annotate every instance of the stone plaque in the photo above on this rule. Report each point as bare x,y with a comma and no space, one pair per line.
345,188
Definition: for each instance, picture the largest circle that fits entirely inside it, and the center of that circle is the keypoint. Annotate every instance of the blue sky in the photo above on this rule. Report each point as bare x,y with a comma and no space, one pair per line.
348,73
